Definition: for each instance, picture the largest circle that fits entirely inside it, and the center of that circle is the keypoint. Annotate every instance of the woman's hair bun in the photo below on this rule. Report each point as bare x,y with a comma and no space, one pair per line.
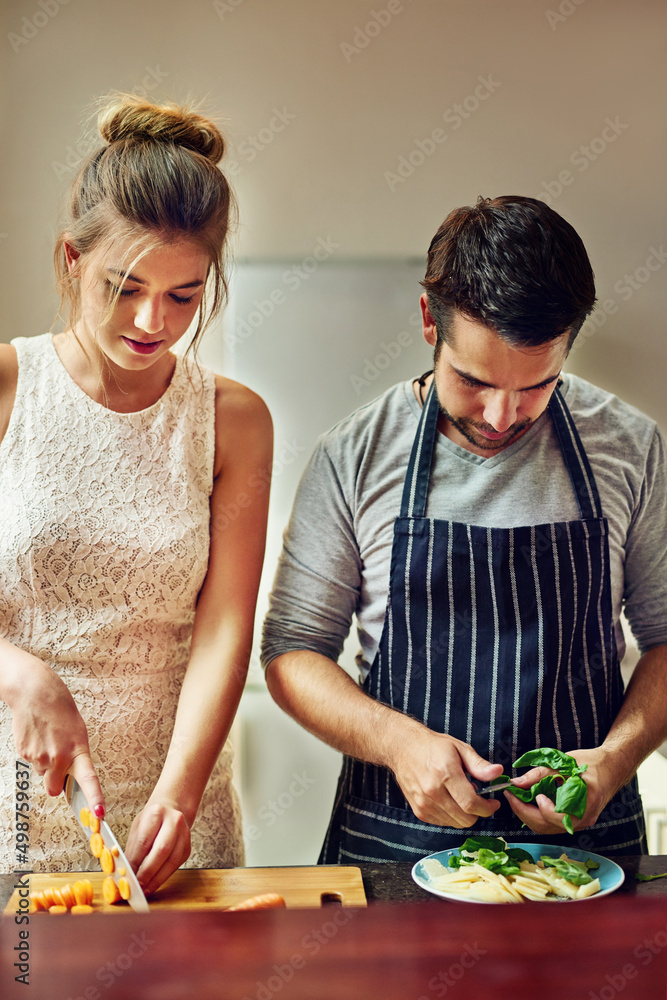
126,116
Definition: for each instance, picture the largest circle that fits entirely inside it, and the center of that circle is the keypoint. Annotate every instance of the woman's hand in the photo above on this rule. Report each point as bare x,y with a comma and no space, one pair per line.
49,732
159,842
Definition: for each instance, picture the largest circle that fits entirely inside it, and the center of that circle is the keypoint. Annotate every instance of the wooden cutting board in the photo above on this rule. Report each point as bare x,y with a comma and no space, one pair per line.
218,888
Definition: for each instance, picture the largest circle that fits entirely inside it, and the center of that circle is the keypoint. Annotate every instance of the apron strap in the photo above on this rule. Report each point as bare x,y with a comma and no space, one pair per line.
576,460
415,487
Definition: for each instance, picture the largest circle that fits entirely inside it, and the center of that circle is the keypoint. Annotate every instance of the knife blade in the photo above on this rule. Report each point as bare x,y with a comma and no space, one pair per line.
77,801
493,788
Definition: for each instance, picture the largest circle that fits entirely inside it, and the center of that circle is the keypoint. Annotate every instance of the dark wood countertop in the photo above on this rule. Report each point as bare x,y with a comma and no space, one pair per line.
422,949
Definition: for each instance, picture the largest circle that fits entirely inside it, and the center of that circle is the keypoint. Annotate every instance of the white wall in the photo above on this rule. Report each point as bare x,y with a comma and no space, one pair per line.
333,126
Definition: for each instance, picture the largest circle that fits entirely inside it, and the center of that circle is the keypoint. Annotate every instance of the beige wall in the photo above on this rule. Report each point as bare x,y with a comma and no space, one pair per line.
352,103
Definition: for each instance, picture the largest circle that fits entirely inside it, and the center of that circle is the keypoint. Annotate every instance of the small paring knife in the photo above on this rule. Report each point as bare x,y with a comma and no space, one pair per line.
489,789
77,801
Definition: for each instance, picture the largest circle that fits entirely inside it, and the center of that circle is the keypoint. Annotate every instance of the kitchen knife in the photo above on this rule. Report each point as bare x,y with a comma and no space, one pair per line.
486,789
77,801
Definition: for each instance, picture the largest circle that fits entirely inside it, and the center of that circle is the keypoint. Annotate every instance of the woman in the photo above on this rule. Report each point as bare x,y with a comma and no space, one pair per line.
127,591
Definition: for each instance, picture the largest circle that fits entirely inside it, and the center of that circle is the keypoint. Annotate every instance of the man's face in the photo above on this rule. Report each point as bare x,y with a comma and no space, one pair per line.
490,393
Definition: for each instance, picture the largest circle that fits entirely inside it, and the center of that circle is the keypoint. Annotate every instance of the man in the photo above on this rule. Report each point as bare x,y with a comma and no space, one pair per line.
486,524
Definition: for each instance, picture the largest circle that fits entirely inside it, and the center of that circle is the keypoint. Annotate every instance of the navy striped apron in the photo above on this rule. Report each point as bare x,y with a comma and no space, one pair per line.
501,637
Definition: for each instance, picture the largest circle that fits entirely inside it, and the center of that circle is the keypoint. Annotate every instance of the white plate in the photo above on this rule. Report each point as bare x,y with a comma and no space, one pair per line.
610,874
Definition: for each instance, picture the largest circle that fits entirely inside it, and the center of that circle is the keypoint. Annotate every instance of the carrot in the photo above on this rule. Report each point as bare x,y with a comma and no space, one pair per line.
96,845
110,890
68,897
266,901
94,823
81,894
84,816
124,888
115,851
82,908
107,862
38,901
58,909
47,896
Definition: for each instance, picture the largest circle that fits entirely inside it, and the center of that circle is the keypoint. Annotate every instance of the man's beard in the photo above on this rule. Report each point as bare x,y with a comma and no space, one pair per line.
468,429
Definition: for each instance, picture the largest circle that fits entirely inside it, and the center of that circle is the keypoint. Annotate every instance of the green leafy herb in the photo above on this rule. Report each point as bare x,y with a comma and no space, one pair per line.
574,871
564,763
490,843
490,853
566,789
649,878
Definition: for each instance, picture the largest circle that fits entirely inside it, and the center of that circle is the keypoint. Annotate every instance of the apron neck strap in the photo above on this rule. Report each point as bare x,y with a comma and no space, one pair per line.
581,474
415,488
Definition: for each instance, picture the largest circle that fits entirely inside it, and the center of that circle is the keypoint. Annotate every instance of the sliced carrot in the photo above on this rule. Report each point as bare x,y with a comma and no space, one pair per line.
266,901
58,897
58,909
121,871
88,886
47,896
115,851
94,823
124,888
81,896
38,901
107,862
96,845
110,890
84,816
67,893
82,908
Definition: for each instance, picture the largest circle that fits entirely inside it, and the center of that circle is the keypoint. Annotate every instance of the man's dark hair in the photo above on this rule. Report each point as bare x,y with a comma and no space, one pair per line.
513,264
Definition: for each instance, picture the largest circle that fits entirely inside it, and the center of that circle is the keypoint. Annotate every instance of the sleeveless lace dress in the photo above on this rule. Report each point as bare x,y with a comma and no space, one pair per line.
104,540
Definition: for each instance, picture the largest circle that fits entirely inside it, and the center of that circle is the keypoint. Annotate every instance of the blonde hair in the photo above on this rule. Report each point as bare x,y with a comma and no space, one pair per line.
154,181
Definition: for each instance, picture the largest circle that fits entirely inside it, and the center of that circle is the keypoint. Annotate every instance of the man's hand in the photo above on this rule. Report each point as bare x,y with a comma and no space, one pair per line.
542,817
432,770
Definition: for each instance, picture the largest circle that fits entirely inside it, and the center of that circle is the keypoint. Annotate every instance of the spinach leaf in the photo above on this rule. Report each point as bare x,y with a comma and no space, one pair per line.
573,871
518,854
476,843
564,763
571,797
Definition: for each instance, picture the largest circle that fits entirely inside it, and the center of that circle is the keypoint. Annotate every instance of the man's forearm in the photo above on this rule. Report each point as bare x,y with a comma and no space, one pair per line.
321,696
641,724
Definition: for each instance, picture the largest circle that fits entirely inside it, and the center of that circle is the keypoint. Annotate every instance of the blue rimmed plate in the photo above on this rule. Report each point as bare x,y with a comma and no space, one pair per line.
610,874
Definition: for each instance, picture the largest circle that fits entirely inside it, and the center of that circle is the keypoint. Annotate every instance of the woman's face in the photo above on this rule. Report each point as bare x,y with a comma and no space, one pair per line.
158,300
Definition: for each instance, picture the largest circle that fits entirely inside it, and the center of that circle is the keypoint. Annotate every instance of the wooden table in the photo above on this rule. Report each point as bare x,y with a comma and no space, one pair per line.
405,945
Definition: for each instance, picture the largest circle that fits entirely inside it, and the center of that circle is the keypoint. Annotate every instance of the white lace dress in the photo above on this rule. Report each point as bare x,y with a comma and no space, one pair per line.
104,540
